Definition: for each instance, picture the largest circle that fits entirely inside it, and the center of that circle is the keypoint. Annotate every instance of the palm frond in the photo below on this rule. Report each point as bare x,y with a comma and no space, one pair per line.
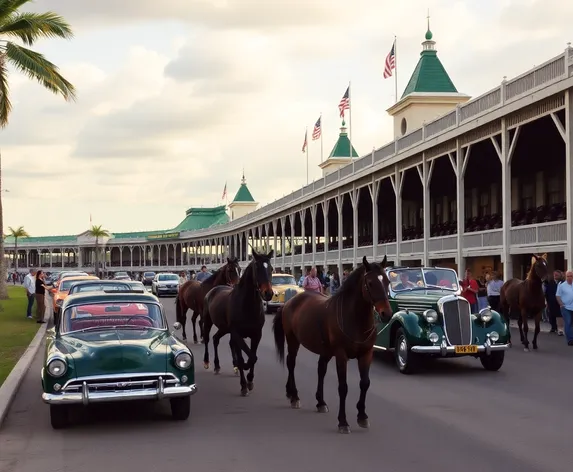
19,232
9,7
36,66
29,27
5,103
97,231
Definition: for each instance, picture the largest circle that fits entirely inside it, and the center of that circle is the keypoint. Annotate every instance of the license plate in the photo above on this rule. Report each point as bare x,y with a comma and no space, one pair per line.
466,349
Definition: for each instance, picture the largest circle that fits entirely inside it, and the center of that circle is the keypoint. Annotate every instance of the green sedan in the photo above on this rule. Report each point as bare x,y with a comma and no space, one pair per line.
115,346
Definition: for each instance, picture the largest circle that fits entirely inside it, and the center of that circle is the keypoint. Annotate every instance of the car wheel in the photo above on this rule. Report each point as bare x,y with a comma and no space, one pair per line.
59,416
406,360
180,408
494,361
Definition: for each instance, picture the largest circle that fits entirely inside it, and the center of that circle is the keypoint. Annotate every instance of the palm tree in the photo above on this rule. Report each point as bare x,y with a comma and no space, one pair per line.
19,232
97,232
26,28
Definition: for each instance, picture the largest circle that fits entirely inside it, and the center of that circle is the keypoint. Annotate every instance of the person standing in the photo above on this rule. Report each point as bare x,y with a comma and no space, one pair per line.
493,290
40,297
469,290
203,274
30,286
553,308
312,282
334,283
564,297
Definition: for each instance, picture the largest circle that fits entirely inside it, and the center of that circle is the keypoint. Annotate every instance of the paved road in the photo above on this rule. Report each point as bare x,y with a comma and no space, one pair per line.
453,417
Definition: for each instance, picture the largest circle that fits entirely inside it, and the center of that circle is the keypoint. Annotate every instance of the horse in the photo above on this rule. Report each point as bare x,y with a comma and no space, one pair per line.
239,311
525,297
341,326
192,294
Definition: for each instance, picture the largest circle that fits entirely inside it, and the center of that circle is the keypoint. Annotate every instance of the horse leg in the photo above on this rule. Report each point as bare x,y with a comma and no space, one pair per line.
216,338
291,391
537,330
208,325
525,324
364,362
194,320
234,356
321,405
238,352
253,360
201,326
341,368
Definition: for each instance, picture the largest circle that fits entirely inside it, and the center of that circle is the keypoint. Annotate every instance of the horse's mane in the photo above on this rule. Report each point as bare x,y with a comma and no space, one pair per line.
348,287
243,280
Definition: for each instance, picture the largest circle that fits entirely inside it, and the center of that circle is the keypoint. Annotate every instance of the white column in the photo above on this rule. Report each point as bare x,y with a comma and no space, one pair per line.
302,216
283,242
313,209
325,207
339,199
374,189
291,220
120,256
275,225
428,168
397,183
354,199
462,156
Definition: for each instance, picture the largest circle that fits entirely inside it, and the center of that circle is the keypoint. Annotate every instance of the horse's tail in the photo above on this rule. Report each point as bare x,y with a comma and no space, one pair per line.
279,332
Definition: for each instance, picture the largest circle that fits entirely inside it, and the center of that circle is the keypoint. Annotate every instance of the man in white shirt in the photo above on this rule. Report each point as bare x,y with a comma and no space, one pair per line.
30,286
565,299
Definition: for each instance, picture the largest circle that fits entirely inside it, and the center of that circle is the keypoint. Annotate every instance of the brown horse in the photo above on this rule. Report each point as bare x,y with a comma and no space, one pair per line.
341,326
525,297
239,311
192,294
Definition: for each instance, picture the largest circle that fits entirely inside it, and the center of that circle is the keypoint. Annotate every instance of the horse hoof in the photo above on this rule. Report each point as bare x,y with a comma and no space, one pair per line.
364,423
322,409
525,349
295,405
217,371
535,348
205,365
236,370
250,385
244,392
195,341
344,429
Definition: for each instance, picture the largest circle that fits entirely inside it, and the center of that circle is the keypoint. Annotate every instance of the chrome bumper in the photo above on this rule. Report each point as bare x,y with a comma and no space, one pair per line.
443,349
86,397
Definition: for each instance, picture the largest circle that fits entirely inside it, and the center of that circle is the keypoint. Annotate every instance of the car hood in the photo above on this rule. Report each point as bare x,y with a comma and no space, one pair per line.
116,351
284,288
419,300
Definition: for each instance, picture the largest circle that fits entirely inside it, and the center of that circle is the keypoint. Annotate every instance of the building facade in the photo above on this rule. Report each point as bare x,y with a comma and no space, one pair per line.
482,184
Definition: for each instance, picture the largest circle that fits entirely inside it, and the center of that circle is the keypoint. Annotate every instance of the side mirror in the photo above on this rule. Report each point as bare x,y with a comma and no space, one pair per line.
177,326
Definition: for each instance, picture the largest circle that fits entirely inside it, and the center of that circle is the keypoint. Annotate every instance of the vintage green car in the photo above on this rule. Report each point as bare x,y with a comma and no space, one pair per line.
432,319
115,346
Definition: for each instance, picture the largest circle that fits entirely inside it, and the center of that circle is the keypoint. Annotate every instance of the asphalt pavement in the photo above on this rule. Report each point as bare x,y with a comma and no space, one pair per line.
453,416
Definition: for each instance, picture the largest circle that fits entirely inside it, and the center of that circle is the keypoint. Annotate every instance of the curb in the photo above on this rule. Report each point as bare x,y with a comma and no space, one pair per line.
14,380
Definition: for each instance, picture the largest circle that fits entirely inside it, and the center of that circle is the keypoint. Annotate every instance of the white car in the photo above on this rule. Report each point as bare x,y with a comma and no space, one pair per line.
165,284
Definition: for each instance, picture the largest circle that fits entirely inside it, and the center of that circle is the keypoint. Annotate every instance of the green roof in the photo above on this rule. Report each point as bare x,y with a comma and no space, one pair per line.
200,218
243,194
429,75
343,146
41,239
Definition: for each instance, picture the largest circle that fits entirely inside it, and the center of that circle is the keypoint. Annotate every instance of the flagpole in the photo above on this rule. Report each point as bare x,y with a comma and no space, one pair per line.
350,117
321,148
395,69
306,134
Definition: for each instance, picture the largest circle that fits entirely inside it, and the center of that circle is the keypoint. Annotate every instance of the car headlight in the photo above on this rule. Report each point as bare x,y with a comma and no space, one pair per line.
57,367
494,336
431,316
485,315
275,293
183,360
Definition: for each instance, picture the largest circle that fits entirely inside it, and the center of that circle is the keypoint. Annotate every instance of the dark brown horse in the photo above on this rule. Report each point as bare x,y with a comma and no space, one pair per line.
239,311
525,298
341,326
192,293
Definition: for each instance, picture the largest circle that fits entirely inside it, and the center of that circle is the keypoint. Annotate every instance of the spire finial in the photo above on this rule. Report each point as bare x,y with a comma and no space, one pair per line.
243,180
429,34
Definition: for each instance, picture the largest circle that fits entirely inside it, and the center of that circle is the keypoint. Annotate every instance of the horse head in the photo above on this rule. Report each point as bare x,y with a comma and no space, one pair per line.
262,273
232,271
375,287
539,266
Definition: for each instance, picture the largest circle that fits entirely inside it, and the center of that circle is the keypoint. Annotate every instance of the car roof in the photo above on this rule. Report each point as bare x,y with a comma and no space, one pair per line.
98,282
88,298
283,275
80,277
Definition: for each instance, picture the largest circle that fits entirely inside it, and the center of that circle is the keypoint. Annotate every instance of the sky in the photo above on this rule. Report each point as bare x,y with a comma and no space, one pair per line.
176,98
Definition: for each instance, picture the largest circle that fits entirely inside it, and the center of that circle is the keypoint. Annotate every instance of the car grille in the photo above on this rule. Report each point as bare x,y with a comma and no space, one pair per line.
457,321
121,383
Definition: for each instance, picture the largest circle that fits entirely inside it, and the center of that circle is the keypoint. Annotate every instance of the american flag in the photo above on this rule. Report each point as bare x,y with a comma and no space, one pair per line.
317,129
390,62
305,141
344,102
224,192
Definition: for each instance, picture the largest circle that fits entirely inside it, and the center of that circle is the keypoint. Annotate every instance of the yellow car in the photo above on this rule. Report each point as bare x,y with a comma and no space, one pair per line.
281,283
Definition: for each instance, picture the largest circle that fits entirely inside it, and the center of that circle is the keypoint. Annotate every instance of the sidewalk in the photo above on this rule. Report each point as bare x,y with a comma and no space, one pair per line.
545,327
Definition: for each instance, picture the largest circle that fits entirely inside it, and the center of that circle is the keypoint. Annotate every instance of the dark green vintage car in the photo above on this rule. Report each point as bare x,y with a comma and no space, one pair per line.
432,319
115,346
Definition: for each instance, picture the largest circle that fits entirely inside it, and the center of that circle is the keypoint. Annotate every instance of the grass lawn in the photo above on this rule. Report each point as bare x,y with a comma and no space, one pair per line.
16,331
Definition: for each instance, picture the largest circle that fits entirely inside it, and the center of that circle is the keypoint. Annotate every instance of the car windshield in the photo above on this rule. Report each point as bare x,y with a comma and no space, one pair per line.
283,280
98,287
418,278
168,277
136,285
66,284
120,315
71,274
149,274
